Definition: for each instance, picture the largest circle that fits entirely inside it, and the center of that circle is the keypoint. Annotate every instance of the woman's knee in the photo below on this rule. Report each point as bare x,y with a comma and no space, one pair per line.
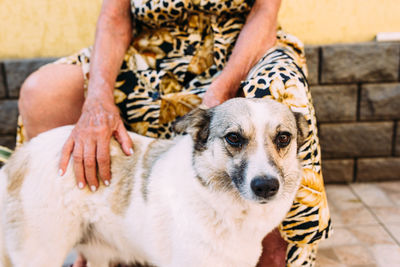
52,85
31,91
50,97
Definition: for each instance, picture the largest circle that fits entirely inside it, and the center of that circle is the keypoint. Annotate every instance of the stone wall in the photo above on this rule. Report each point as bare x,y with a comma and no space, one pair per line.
12,75
356,93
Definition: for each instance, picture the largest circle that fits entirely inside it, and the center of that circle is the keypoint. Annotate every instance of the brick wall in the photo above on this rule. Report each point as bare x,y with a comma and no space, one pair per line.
356,92
12,75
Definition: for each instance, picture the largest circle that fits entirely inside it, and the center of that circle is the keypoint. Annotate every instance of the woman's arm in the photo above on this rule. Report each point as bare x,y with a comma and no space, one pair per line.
256,37
100,120
113,36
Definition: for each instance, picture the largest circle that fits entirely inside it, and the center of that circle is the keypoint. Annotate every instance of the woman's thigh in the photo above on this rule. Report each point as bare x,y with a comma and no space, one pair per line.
280,75
50,97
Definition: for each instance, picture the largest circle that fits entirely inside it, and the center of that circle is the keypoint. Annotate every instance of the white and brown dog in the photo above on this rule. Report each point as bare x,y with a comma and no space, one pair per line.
203,199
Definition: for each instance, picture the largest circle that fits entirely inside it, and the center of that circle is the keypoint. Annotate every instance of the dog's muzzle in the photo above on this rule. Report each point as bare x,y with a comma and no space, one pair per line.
265,186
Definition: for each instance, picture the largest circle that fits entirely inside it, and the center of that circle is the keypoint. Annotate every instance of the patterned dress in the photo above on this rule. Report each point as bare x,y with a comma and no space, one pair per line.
179,47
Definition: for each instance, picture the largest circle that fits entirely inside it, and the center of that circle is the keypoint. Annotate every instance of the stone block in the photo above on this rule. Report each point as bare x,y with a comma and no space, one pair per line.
380,101
365,139
366,62
397,142
18,70
338,171
3,90
8,141
312,56
8,116
335,103
378,169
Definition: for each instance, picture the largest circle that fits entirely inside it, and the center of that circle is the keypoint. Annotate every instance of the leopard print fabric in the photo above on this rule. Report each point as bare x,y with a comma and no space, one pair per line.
179,47
281,75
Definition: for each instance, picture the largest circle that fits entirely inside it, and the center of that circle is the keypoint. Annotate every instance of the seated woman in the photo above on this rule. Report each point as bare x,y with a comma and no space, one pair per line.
153,61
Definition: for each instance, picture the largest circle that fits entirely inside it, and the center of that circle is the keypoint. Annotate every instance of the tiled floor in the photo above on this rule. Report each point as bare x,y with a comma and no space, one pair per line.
366,221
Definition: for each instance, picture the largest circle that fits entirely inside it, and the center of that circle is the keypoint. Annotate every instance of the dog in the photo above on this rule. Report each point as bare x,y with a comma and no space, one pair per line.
206,198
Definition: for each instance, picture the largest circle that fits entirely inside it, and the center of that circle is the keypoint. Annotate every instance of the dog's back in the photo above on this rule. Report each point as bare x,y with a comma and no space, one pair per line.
41,209
205,199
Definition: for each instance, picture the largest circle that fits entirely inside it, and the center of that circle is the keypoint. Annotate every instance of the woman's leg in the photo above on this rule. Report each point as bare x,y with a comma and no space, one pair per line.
51,97
274,250
280,75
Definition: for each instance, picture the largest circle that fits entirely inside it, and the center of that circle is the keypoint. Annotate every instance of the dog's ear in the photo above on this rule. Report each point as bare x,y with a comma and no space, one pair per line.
197,124
302,128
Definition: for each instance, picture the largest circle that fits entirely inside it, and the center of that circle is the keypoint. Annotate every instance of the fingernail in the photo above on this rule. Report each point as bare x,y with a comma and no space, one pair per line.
93,188
106,182
80,185
60,172
130,151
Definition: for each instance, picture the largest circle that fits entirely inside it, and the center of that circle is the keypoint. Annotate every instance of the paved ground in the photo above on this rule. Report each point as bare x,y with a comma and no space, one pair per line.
366,220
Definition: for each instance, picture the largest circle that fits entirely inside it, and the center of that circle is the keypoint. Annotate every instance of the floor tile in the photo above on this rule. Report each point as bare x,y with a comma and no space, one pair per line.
340,237
387,214
328,258
342,198
372,195
392,190
394,229
366,224
335,217
357,216
363,265
389,186
371,235
354,255
386,255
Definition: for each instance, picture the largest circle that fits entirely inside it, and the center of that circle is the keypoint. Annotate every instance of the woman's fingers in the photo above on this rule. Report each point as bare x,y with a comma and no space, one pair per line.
89,158
78,165
65,156
89,144
89,163
122,136
103,160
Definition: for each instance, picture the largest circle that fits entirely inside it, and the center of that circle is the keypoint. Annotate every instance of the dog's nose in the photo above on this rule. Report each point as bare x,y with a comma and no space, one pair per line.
265,186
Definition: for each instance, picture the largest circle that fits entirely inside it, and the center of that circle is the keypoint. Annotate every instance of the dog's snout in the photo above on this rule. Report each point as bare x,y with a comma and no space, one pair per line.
265,186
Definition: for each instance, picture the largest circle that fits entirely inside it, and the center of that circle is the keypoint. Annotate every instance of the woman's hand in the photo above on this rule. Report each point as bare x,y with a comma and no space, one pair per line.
256,37
89,143
219,91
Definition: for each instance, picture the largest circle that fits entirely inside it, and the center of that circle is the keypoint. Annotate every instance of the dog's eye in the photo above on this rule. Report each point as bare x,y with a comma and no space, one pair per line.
234,139
283,139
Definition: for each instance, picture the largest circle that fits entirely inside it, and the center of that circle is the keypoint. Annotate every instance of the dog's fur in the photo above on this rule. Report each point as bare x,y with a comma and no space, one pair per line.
185,202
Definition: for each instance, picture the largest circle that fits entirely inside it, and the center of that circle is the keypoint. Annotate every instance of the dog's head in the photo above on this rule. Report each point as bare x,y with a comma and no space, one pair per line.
247,146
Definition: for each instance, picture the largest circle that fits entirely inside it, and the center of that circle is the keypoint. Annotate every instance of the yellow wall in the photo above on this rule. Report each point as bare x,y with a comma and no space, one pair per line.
45,28
339,21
